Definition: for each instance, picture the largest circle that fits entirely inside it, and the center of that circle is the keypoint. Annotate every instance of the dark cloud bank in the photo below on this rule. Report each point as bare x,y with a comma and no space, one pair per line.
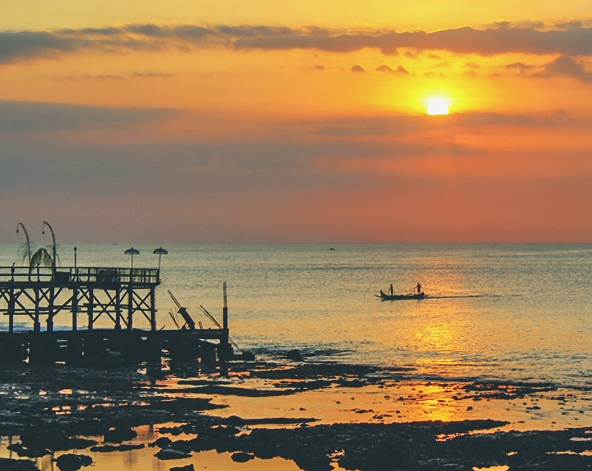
31,158
570,40
29,116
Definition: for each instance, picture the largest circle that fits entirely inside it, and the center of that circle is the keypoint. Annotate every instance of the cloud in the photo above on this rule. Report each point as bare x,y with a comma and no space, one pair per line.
187,187
408,124
463,40
567,67
519,66
399,70
25,116
569,24
151,74
177,169
25,45
567,39
357,68
109,77
384,68
297,156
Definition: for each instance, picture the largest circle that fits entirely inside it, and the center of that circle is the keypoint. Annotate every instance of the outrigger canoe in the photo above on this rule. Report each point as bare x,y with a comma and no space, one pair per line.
395,297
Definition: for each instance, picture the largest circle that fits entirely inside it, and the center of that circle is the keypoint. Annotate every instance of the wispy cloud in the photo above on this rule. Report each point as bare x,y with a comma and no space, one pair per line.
567,38
408,124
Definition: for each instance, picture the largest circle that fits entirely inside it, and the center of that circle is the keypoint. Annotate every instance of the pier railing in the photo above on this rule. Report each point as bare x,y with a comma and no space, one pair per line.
93,310
84,275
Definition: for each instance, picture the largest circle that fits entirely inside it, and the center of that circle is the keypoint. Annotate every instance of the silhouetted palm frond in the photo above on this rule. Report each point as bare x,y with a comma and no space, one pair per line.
25,252
50,249
41,257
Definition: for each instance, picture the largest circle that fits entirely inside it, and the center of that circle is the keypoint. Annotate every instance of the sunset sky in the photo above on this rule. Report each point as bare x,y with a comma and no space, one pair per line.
296,121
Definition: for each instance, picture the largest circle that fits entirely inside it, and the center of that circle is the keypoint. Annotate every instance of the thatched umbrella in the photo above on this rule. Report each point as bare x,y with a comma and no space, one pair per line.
160,251
131,251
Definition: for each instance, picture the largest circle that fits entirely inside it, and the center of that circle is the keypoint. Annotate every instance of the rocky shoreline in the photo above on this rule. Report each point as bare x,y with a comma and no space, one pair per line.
57,409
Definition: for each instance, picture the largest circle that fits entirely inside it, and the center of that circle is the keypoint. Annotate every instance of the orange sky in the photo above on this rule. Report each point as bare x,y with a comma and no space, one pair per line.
226,121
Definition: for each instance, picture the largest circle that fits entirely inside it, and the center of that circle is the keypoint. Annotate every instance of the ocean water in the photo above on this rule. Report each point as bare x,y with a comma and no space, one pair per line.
509,312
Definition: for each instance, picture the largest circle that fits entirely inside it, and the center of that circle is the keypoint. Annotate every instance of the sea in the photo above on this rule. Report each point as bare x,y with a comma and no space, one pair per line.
493,311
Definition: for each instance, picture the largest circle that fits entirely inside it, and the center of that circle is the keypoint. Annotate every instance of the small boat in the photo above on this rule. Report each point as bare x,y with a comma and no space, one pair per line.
396,297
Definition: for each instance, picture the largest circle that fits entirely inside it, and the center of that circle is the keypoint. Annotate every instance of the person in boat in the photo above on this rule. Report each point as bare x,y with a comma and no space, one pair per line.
418,288
392,289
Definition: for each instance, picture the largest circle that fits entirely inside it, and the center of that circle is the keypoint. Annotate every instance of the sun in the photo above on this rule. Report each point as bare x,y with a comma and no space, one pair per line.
437,106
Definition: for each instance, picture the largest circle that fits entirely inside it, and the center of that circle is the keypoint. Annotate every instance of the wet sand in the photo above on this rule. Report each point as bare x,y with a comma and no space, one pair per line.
290,416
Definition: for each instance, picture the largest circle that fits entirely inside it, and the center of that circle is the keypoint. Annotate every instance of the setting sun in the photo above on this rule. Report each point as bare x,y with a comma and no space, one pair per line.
437,106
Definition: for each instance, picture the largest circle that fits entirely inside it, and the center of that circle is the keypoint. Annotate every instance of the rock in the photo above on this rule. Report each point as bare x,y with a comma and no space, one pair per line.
315,463
189,467
294,355
242,457
246,356
72,462
35,442
162,442
16,447
33,452
170,454
354,383
181,445
110,448
119,434
52,439
17,465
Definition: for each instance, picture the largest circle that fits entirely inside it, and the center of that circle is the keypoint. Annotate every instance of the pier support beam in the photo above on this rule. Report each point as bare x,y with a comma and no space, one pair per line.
130,306
153,309
75,309
11,307
117,309
90,309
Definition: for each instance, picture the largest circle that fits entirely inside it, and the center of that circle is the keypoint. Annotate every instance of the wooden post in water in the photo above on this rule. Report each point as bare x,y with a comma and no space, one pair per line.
225,349
225,309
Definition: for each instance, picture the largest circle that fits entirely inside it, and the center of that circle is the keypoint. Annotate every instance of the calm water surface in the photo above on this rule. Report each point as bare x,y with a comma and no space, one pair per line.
517,312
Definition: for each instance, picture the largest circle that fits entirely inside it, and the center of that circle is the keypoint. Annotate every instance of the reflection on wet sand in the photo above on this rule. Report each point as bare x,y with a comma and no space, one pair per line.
306,400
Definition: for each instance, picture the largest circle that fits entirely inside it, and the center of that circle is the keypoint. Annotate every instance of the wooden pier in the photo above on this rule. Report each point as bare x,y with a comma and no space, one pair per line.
78,314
